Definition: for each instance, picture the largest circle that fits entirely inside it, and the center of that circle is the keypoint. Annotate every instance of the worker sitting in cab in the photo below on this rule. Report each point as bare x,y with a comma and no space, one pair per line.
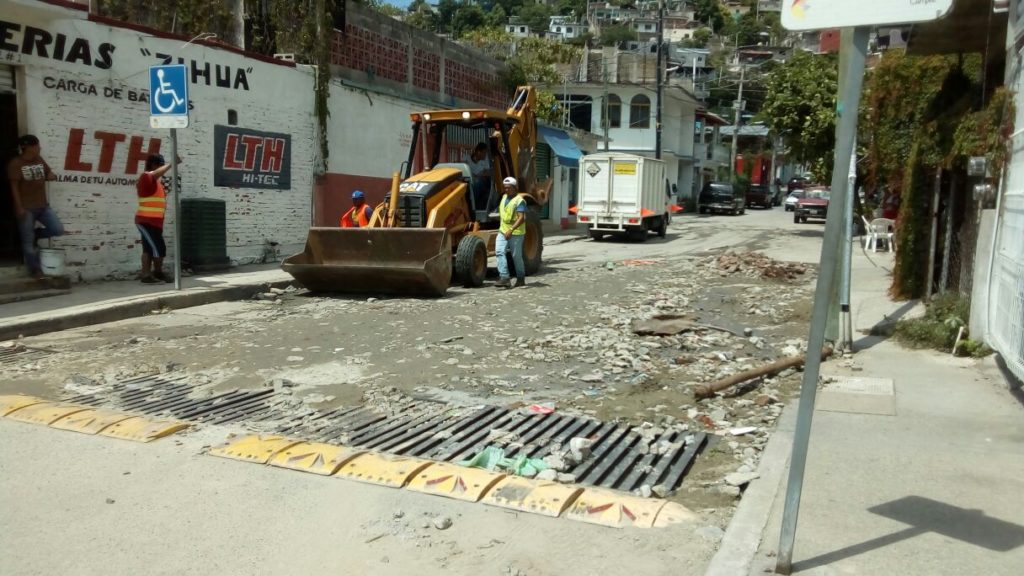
358,216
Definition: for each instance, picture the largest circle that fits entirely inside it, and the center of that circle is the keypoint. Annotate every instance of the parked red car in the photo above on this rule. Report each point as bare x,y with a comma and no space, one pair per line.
813,205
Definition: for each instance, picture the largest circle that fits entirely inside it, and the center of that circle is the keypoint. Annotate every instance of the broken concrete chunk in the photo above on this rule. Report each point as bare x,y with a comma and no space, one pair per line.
580,448
549,475
739,479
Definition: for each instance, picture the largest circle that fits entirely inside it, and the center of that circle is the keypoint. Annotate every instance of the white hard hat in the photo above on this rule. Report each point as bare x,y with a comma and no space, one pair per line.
510,181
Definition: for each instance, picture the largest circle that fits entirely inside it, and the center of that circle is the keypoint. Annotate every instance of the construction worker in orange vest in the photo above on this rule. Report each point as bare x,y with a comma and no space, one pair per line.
358,216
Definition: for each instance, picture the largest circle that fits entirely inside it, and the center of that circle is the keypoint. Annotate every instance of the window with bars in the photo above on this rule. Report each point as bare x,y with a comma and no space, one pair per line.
640,112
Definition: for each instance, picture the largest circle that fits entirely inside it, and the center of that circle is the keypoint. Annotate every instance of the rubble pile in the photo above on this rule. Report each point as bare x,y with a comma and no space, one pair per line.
757,265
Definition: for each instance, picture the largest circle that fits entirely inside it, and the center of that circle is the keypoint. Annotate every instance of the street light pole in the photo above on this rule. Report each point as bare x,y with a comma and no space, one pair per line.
660,72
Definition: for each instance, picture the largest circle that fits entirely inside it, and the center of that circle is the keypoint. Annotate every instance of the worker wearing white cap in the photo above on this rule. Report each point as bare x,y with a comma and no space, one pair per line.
511,234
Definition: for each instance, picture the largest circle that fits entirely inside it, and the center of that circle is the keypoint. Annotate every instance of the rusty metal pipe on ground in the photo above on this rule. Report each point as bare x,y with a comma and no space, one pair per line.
709,390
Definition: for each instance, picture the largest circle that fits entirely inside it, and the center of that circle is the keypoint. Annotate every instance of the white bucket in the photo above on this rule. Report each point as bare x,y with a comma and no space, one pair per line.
51,261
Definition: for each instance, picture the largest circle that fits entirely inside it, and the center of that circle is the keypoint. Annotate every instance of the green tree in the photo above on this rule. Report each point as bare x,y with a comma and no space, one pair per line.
467,18
532,62
497,16
385,8
422,16
446,10
700,38
801,103
712,13
536,16
748,30
614,35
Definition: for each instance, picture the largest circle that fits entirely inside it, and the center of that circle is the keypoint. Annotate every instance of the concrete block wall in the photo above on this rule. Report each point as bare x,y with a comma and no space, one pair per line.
377,50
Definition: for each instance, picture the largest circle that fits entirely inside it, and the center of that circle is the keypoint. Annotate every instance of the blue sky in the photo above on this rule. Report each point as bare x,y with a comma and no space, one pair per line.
399,3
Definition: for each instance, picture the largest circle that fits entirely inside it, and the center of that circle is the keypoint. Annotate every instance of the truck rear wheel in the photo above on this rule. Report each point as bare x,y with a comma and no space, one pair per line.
533,244
471,262
596,236
662,226
638,234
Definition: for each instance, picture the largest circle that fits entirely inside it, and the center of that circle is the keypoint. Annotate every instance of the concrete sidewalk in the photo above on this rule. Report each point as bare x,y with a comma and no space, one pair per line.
937,488
100,302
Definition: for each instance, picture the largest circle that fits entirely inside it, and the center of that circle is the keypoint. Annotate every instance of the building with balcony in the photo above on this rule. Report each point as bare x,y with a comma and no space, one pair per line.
615,97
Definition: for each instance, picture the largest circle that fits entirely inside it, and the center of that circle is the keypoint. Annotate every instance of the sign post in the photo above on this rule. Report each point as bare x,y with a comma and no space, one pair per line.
168,108
855,18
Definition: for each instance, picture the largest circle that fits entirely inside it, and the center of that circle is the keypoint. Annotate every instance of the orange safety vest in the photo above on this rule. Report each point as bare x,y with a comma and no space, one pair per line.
153,206
362,221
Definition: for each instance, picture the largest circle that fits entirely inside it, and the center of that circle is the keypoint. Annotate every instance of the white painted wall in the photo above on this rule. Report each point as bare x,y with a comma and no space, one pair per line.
369,132
97,203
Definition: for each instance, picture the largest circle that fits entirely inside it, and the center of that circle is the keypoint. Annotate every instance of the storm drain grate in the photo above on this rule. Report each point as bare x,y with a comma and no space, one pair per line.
19,354
173,397
621,458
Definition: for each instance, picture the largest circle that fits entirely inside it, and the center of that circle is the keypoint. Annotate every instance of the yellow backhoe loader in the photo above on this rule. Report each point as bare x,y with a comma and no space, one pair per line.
439,220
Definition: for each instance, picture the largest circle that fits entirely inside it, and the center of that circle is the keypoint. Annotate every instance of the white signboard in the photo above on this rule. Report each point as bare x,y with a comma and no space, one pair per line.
821,14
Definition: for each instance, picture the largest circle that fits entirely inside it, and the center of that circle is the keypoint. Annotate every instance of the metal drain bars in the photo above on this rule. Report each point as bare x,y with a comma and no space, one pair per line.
171,396
18,354
621,458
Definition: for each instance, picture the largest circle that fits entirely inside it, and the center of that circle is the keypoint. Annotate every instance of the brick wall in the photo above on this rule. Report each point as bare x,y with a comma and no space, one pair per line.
93,120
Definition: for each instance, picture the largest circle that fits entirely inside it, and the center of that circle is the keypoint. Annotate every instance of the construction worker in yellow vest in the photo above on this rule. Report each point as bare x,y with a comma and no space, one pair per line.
511,235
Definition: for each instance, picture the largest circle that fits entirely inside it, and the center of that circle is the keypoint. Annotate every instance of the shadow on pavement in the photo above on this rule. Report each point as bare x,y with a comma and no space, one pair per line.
811,233
924,516
882,331
1015,385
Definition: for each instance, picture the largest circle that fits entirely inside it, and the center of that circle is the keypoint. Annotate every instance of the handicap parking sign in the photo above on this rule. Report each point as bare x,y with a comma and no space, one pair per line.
168,96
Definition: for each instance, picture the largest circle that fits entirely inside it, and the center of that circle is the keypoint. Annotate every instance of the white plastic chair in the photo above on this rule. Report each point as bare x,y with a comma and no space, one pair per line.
870,238
882,228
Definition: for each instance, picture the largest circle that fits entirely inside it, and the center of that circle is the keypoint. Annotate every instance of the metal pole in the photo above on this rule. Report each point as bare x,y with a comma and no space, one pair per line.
855,40
736,124
661,73
934,211
177,208
948,243
846,341
607,120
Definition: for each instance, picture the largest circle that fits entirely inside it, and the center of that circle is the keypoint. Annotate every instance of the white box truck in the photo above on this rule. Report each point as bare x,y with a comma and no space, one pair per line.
623,194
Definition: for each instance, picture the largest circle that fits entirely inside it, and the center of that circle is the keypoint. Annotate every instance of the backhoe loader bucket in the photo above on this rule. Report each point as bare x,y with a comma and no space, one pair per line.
404,261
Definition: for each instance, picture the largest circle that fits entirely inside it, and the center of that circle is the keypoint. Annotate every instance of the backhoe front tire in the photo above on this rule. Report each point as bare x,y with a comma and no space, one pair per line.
471,262
533,244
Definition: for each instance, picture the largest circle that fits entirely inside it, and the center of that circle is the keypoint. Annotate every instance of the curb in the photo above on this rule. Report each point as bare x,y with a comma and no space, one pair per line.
742,539
134,307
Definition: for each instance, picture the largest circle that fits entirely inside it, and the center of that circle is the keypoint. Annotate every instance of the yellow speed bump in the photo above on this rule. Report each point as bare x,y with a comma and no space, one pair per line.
90,421
314,457
536,496
454,481
14,402
254,448
139,429
673,513
382,469
45,413
608,508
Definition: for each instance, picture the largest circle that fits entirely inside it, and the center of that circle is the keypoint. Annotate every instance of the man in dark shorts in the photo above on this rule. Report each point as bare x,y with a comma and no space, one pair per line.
149,219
